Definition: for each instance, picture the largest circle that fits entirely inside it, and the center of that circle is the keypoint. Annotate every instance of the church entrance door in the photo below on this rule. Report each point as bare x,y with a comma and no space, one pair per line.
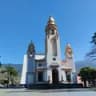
55,76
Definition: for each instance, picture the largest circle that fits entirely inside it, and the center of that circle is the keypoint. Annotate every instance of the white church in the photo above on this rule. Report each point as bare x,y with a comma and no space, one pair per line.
48,68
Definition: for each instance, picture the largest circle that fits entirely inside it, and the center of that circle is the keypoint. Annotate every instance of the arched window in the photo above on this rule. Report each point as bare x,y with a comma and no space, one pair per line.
52,32
54,47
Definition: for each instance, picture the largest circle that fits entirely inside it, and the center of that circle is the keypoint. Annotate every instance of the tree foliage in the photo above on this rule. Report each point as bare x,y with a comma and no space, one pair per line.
11,74
88,74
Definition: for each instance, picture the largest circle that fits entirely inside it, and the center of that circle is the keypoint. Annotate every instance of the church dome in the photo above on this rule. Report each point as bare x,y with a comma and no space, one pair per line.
51,25
68,45
51,20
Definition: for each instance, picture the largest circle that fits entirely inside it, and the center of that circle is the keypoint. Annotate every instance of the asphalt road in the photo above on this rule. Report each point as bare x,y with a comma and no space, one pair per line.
56,92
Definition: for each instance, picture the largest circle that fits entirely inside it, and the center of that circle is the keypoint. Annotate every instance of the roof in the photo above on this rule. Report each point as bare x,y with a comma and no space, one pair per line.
39,57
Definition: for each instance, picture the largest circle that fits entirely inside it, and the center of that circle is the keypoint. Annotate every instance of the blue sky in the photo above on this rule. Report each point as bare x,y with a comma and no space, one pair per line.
25,20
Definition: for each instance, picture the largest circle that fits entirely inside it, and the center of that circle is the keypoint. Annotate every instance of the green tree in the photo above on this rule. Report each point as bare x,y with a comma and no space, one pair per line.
88,74
93,77
11,74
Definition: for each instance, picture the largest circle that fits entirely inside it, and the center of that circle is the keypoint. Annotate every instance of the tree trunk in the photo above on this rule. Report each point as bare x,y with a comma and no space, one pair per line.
85,85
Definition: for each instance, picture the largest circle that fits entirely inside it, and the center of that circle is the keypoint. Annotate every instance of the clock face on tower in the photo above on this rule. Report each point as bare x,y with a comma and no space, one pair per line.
31,50
30,55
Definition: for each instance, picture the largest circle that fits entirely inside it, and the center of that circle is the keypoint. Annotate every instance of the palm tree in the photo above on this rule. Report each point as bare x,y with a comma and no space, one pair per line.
92,54
94,39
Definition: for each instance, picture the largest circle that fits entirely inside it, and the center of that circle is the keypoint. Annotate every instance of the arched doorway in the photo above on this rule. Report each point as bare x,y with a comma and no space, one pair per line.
55,77
68,76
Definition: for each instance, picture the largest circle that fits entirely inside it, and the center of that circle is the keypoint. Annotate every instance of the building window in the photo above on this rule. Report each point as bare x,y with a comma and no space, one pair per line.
40,76
52,32
40,65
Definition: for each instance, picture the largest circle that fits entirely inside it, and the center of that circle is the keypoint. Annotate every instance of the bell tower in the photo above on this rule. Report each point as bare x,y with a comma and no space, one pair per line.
52,42
52,51
31,50
69,58
30,73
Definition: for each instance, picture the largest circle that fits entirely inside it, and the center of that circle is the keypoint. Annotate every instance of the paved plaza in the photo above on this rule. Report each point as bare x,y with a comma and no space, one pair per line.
56,92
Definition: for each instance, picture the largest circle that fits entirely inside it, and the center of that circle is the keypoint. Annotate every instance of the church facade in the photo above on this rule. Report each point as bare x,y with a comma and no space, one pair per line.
48,67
